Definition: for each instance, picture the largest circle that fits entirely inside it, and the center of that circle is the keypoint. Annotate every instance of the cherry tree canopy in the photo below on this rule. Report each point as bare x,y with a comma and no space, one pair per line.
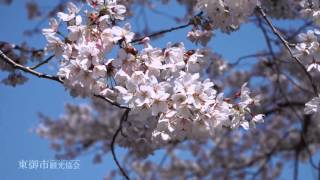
145,98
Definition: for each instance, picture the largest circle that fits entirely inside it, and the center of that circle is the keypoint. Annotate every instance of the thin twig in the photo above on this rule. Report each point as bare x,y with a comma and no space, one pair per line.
298,31
123,118
249,56
161,32
265,155
21,48
296,165
287,46
43,62
319,172
262,167
111,102
281,106
191,22
312,163
163,160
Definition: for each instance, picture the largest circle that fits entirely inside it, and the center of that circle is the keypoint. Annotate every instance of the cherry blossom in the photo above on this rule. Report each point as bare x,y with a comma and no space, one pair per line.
227,14
312,106
71,15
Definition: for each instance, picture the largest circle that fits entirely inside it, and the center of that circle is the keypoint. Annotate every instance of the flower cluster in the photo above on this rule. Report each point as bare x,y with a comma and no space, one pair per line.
200,36
308,45
164,87
84,67
308,49
228,14
166,84
310,9
282,9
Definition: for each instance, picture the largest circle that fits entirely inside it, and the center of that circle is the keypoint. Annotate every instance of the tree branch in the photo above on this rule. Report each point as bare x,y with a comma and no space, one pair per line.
280,106
28,69
287,46
123,119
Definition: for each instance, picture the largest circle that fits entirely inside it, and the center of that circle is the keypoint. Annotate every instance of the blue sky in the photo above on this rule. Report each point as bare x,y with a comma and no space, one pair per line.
19,106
